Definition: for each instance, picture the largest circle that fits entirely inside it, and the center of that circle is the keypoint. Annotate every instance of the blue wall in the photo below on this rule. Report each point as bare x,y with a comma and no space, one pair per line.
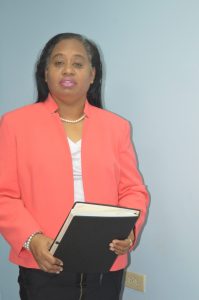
151,50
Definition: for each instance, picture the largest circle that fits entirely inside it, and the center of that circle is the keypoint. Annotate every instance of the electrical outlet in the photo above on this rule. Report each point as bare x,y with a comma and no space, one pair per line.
135,281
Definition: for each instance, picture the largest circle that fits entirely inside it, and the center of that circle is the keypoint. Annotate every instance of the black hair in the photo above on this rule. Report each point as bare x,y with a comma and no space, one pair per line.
94,92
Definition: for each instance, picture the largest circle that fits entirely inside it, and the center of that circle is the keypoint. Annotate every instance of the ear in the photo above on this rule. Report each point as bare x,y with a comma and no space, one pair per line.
93,73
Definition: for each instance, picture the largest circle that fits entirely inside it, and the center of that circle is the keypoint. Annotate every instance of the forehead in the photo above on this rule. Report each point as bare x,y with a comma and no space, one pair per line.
70,47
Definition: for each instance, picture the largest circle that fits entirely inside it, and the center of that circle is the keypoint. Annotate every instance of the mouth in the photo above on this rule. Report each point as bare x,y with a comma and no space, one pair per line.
67,83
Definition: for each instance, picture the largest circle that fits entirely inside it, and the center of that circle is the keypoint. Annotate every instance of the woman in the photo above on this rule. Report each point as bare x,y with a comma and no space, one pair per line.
62,149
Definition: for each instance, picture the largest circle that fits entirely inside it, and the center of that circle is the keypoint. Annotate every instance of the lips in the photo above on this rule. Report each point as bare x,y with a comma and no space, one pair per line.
67,83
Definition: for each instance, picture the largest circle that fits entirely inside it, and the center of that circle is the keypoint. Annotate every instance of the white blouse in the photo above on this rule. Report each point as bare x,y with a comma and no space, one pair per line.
75,149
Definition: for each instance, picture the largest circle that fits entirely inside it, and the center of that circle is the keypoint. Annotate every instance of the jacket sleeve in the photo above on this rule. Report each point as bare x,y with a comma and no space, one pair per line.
132,191
16,223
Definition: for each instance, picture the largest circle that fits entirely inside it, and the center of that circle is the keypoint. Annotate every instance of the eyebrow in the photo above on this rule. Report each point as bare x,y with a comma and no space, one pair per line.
75,55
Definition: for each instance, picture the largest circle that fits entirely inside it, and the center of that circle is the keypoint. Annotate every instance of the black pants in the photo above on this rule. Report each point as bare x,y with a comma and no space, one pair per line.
38,285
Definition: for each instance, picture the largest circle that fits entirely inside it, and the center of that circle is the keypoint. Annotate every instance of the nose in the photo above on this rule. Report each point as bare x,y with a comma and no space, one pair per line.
68,69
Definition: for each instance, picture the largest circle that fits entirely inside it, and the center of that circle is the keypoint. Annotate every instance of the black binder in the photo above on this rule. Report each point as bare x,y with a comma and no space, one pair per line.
83,241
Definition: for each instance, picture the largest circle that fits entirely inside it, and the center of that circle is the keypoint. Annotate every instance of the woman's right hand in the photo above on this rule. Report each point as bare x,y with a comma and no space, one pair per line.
39,246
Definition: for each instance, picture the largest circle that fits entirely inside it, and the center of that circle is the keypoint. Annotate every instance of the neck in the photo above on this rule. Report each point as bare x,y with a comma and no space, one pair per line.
70,110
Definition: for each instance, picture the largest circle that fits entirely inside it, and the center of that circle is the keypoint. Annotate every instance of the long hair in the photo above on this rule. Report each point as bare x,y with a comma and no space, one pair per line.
94,92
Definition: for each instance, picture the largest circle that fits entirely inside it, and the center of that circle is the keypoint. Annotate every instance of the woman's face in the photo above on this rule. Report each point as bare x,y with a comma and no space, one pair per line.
69,72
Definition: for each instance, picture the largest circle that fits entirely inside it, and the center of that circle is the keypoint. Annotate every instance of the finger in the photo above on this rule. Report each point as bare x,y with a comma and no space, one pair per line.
120,249
121,243
43,268
114,247
50,268
49,263
52,271
53,260
120,252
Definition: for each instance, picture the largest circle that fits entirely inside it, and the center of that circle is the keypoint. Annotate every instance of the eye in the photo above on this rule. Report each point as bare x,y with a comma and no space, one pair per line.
58,63
78,65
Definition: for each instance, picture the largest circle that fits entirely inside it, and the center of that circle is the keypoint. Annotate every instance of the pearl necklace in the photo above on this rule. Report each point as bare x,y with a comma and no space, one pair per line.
73,121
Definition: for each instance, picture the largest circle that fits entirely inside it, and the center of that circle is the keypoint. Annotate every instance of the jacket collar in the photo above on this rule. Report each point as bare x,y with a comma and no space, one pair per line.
52,106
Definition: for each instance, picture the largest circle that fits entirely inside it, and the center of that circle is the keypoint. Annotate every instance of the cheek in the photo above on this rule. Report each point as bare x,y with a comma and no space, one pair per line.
89,79
87,83
51,79
52,85
51,73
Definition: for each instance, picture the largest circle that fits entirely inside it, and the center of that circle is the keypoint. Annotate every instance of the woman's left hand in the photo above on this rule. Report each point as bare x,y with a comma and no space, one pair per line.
121,247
